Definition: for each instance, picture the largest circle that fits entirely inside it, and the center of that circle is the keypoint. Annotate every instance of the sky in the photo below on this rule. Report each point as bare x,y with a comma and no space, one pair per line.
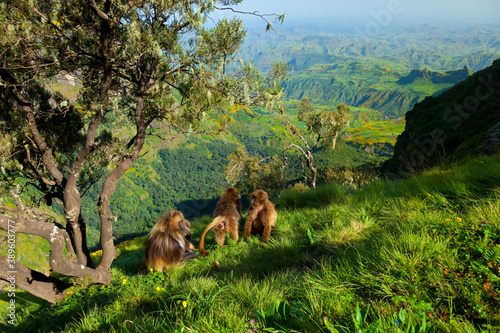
381,11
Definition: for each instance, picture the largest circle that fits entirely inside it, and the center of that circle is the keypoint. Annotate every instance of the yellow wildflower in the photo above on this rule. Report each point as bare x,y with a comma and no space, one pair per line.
124,281
184,304
158,288
459,219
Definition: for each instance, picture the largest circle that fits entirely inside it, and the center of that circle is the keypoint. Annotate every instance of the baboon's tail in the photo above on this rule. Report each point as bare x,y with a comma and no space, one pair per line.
201,246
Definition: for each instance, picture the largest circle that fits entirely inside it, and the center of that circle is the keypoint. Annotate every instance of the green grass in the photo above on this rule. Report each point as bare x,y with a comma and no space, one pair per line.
427,87
420,255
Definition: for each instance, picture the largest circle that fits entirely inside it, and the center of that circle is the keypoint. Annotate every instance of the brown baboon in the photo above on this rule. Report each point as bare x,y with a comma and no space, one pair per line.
226,215
168,243
261,217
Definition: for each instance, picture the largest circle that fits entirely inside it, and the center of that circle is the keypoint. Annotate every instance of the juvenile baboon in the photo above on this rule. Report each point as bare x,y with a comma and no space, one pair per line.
226,215
168,243
261,217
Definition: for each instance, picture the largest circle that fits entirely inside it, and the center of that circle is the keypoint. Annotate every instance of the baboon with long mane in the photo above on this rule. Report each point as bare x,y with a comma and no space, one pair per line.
168,242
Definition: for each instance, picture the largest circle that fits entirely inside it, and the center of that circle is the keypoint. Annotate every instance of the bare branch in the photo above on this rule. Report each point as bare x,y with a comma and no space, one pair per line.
296,132
19,206
8,209
258,14
98,11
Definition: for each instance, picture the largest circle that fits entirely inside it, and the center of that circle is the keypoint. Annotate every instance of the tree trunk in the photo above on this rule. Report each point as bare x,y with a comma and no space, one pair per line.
109,186
83,232
311,167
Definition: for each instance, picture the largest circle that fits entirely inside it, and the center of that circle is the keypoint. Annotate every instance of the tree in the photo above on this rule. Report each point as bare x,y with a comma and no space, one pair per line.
322,127
134,64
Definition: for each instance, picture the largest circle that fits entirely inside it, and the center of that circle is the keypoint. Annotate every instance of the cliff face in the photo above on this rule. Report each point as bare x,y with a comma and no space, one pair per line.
462,121
390,103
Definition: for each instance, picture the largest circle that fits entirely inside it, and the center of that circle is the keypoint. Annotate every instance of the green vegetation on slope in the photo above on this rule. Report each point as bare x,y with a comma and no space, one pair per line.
420,254
379,136
305,44
373,83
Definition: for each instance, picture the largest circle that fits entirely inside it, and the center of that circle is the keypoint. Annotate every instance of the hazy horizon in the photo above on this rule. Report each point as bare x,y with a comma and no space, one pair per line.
369,13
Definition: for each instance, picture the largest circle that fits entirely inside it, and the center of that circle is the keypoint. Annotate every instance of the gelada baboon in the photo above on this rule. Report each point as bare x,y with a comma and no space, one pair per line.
261,217
168,243
226,215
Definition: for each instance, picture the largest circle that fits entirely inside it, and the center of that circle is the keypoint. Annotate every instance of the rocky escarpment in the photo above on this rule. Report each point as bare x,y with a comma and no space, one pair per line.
461,122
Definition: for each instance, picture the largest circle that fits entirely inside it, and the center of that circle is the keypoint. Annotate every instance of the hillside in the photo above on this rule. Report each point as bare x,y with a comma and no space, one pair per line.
417,255
462,121
305,44
369,83
378,137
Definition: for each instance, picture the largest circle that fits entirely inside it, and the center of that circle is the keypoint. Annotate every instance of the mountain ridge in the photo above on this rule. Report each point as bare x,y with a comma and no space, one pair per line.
436,77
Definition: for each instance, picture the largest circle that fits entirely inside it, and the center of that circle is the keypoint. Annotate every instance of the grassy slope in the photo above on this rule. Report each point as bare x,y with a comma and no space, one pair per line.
165,179
422,250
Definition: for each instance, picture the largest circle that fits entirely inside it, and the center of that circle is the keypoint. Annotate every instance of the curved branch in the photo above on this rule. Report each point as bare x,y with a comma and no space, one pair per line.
256,13
98,11
299,148
45,287
296,132
55,236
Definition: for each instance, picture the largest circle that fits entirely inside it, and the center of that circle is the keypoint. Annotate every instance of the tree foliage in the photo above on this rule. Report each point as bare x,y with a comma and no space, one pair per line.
251,173
135,66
